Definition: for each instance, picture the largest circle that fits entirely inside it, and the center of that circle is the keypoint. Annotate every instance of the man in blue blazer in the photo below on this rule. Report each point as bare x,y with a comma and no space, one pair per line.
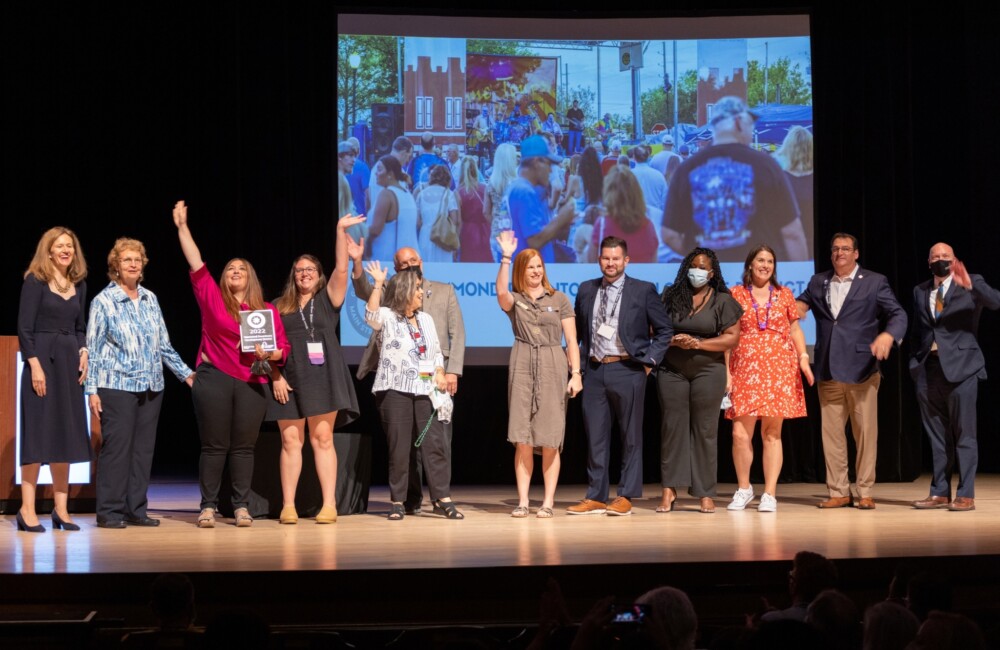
624,331
947,365
849,304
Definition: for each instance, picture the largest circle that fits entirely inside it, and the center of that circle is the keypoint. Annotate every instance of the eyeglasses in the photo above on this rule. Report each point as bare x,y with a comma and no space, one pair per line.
841,249
311,270
126,261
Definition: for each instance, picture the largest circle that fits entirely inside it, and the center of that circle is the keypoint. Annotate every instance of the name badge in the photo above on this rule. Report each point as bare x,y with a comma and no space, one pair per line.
315,350
426,368
606,331
521,305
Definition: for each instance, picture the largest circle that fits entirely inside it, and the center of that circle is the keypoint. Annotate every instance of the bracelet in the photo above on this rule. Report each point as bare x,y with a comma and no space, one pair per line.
84,349
576,372
804,354
505,261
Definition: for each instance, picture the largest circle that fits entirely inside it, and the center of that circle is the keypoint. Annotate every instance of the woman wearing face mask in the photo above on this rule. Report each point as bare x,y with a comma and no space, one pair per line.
692,378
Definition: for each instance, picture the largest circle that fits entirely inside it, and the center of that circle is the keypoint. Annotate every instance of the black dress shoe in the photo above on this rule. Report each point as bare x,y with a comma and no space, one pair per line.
111,524
145,521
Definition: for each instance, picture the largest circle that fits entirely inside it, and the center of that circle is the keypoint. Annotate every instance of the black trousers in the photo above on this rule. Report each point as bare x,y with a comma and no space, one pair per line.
949,414
229,414
404,416
128,431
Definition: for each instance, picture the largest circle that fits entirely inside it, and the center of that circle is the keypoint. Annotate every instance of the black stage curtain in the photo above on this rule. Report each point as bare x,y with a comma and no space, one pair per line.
116,111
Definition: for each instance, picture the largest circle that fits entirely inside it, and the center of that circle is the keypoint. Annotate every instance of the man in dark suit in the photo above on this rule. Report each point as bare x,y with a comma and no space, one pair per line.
441,304
849,303
614,317
947,365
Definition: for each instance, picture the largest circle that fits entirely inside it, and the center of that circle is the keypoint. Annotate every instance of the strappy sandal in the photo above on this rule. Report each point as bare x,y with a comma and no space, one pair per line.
207,518
670,504
447,509
396,512
544,513
243,518
519,512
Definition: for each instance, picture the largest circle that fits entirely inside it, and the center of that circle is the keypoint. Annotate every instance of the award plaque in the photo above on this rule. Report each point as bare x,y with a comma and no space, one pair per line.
257,326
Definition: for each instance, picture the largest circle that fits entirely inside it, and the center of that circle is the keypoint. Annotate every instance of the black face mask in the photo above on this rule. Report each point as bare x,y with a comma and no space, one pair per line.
941,268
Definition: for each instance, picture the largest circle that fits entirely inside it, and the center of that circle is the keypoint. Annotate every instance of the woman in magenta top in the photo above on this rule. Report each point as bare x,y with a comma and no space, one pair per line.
230,400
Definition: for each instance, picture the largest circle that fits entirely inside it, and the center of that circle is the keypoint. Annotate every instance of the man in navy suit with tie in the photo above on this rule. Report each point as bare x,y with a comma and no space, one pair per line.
849,303
947,365
624,331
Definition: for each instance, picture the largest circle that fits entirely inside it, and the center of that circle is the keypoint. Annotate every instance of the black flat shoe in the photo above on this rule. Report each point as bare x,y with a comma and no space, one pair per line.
25,527
145,521
111,524
447,509
57,523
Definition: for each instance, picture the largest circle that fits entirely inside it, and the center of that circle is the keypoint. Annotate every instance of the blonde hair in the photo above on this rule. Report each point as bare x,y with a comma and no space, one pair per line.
796,151
41,264
254,296
288,301
521,262
504,168
468,174
345,201
123,244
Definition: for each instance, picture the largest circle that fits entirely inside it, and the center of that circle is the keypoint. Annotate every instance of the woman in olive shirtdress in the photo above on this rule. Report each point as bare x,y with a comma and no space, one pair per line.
537,384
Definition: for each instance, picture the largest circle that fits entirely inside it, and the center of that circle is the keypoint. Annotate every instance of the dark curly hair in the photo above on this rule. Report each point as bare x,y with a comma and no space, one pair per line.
678,297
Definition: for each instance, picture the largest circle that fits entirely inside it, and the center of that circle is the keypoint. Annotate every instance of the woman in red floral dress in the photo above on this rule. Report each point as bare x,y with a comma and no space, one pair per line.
764,373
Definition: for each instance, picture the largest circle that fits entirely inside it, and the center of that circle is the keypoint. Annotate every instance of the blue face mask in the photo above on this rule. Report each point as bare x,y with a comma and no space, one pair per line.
697,277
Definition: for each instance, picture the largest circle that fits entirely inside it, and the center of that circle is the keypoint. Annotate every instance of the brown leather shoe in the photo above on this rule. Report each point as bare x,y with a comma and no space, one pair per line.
962,504
587,507
866,503
835,502
620,507
931,502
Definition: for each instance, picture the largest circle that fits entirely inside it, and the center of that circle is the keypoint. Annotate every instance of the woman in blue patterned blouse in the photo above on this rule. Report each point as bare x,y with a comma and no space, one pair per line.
128,344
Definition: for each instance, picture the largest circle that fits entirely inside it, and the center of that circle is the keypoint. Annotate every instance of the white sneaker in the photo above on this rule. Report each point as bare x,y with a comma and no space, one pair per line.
741,499
767,503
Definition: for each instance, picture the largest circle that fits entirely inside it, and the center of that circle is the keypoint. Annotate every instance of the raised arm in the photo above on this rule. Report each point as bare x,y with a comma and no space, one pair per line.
336,288
189,248
378,274
508,244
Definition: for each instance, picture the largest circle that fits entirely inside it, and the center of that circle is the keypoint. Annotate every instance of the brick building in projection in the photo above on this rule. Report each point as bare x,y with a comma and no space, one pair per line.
434,101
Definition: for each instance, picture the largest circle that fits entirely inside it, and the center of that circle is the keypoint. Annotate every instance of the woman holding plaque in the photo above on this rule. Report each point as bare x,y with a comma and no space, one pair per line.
765,369
410,387
315,387
129,346
231,390
51,332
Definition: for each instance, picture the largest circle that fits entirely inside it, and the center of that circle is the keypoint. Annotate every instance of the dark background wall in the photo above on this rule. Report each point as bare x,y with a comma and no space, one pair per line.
115,111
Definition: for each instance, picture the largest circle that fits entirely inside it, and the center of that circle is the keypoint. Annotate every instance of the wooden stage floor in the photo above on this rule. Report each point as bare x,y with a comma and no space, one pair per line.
489,537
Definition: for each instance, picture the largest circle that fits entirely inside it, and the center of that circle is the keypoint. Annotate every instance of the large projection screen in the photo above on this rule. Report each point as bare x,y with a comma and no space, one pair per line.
478,82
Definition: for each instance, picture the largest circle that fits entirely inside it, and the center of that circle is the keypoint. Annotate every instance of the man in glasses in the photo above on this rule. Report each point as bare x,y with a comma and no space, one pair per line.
729,197
849,304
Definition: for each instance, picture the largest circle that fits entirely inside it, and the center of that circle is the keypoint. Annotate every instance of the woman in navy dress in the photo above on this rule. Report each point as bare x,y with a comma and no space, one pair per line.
52,334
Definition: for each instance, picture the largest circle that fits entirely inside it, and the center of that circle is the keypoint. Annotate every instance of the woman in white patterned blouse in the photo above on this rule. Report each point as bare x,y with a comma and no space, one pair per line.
410,372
